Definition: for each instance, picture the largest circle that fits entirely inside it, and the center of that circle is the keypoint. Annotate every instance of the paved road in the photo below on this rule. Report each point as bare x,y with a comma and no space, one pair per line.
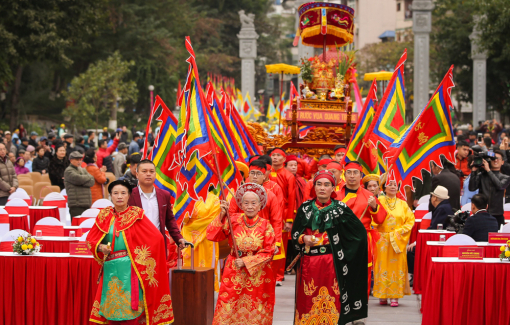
407,313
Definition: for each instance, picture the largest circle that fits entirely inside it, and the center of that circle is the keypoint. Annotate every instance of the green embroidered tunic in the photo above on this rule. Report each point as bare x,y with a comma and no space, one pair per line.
116,293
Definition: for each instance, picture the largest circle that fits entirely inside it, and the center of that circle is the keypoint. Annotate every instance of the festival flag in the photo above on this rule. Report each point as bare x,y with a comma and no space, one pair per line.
427,138
389,120
304,129
242,135
359,149
271,110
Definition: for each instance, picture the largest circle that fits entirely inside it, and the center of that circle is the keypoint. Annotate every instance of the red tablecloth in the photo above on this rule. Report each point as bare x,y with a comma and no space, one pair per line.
40,290
77,221
420,272
463,293
18,222
56,246
37,213
414,231
437,251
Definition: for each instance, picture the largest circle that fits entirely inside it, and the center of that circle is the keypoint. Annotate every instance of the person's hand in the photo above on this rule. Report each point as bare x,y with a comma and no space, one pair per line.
103,169
239,263
309,240
117,136
415,203
182,243
44,171
105,249
486,166
12,190
411,247
372,202
224,208
288,226
504,143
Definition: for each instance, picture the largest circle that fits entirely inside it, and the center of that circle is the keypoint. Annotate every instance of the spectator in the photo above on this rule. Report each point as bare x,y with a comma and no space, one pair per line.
20,167
105,136
91,141
28,159
104,154
124,136
480,223
98,190
120,159
24,144
133,146
68,139
472,138
77,183
446,176
33,139
10,146
61,130
491,182
8,178
461,161
21,153
441,206
58,165
467,195
22,131
132,163
80,145
12,158
41,162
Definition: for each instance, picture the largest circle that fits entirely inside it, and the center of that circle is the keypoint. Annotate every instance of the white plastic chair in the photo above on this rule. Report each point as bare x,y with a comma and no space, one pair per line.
4,222
8,239
18,206
49,226
84,236
19,189
87,225
20,195
58,200
421,210
460,239
466,207
506,228
424,199
102,203
90,213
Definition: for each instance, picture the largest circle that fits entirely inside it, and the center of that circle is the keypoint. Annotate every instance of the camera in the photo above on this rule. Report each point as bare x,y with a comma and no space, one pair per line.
480,156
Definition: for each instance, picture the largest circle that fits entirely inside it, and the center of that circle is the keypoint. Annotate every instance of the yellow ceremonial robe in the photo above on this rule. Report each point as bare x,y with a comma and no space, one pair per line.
390,271
194,231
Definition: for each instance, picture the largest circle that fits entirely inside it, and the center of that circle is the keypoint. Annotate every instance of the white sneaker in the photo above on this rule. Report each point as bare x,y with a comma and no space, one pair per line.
279,283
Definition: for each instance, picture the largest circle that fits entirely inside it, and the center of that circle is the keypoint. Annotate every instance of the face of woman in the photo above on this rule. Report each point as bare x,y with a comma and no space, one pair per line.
391,189
41,152
323,188
373,187
21,162
120,197
61,152
251,204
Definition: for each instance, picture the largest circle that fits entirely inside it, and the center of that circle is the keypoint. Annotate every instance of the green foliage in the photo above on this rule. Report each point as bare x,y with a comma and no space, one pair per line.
94,93
306,70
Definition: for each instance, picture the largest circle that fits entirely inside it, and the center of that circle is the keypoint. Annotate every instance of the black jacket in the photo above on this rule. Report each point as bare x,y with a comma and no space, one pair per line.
80,147
440,213
56,171
40,164
33,143
452,183
492,184
479,225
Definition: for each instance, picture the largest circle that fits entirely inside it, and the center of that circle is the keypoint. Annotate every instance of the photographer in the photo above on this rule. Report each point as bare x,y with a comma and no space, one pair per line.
491,182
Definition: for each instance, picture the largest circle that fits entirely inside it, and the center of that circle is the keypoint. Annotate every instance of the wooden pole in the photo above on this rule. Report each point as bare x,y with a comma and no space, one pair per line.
281,104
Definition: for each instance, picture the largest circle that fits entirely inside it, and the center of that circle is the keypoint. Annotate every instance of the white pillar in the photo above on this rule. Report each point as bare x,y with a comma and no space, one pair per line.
479,57
422,17
247,52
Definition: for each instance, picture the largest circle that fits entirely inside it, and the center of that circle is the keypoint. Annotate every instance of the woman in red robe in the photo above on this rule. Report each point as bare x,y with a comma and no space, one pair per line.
247,291
133,282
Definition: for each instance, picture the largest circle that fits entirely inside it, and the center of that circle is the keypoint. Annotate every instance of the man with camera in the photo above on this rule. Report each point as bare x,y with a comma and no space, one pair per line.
490,181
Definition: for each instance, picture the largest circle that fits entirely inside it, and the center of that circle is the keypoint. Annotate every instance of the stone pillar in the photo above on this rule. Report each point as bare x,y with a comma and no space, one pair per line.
479,57
247,52
422,17
303,50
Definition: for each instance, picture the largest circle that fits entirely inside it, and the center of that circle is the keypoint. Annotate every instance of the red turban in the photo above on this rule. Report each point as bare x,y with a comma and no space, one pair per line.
327,175
334,165
279,151
263,170
324,161
291,158
340,150
353,165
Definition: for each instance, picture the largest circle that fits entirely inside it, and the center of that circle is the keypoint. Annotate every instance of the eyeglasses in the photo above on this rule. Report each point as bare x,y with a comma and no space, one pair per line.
256,174
352,172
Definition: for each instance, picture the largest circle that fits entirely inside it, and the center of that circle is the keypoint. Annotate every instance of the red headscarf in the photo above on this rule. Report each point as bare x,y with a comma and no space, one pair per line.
279,151
327,175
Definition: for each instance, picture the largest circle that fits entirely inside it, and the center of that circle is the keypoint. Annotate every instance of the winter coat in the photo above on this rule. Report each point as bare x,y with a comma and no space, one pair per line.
40,164
97,190
56,171
78,183
8,177
20,169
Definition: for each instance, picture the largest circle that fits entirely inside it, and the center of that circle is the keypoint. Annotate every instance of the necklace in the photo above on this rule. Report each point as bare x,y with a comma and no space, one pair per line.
250,226
391,205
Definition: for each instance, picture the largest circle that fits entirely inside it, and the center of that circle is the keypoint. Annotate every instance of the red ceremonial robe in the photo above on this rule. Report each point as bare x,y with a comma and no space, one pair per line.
358,203
146,250
247,295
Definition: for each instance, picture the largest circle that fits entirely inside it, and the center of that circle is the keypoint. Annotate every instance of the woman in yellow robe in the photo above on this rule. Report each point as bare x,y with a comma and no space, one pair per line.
390,272
194,230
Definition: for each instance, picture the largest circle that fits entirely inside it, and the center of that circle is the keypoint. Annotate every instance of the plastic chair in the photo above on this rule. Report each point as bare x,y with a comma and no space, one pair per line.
424,199
466,207
49,226
27,189
36,176
507,211
17,206
425,221
58,200
460,239
47,190
20,195
25,181
102,203
421,210
20,189
37,190
45,178
24,176
87,225
506,228
4,222
90,213
84,236
8,239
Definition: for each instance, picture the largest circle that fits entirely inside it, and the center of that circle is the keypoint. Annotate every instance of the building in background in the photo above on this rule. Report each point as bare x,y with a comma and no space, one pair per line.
404,21
372,19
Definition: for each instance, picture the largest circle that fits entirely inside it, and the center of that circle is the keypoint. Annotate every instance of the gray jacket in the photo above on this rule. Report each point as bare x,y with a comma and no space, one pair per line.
118,161
8,177
78,183
492,184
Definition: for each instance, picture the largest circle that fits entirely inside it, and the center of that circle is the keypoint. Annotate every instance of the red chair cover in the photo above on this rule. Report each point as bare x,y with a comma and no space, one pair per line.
37,214
77,221
419,214
56,203
6,246
49,230
17,209
4,218
425,223
507,215
29,201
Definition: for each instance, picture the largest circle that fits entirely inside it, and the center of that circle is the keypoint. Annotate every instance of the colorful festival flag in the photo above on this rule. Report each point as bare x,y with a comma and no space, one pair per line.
359,149
427,138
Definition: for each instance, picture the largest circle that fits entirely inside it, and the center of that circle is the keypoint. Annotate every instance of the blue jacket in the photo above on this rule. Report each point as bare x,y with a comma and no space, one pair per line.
440,213
133,147
479,225
468,195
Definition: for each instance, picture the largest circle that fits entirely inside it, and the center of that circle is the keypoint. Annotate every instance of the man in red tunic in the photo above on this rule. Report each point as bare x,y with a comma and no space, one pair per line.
287,182
365,206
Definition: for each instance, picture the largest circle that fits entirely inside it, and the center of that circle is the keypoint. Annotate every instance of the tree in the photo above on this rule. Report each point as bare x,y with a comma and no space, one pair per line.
33,30
99,90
